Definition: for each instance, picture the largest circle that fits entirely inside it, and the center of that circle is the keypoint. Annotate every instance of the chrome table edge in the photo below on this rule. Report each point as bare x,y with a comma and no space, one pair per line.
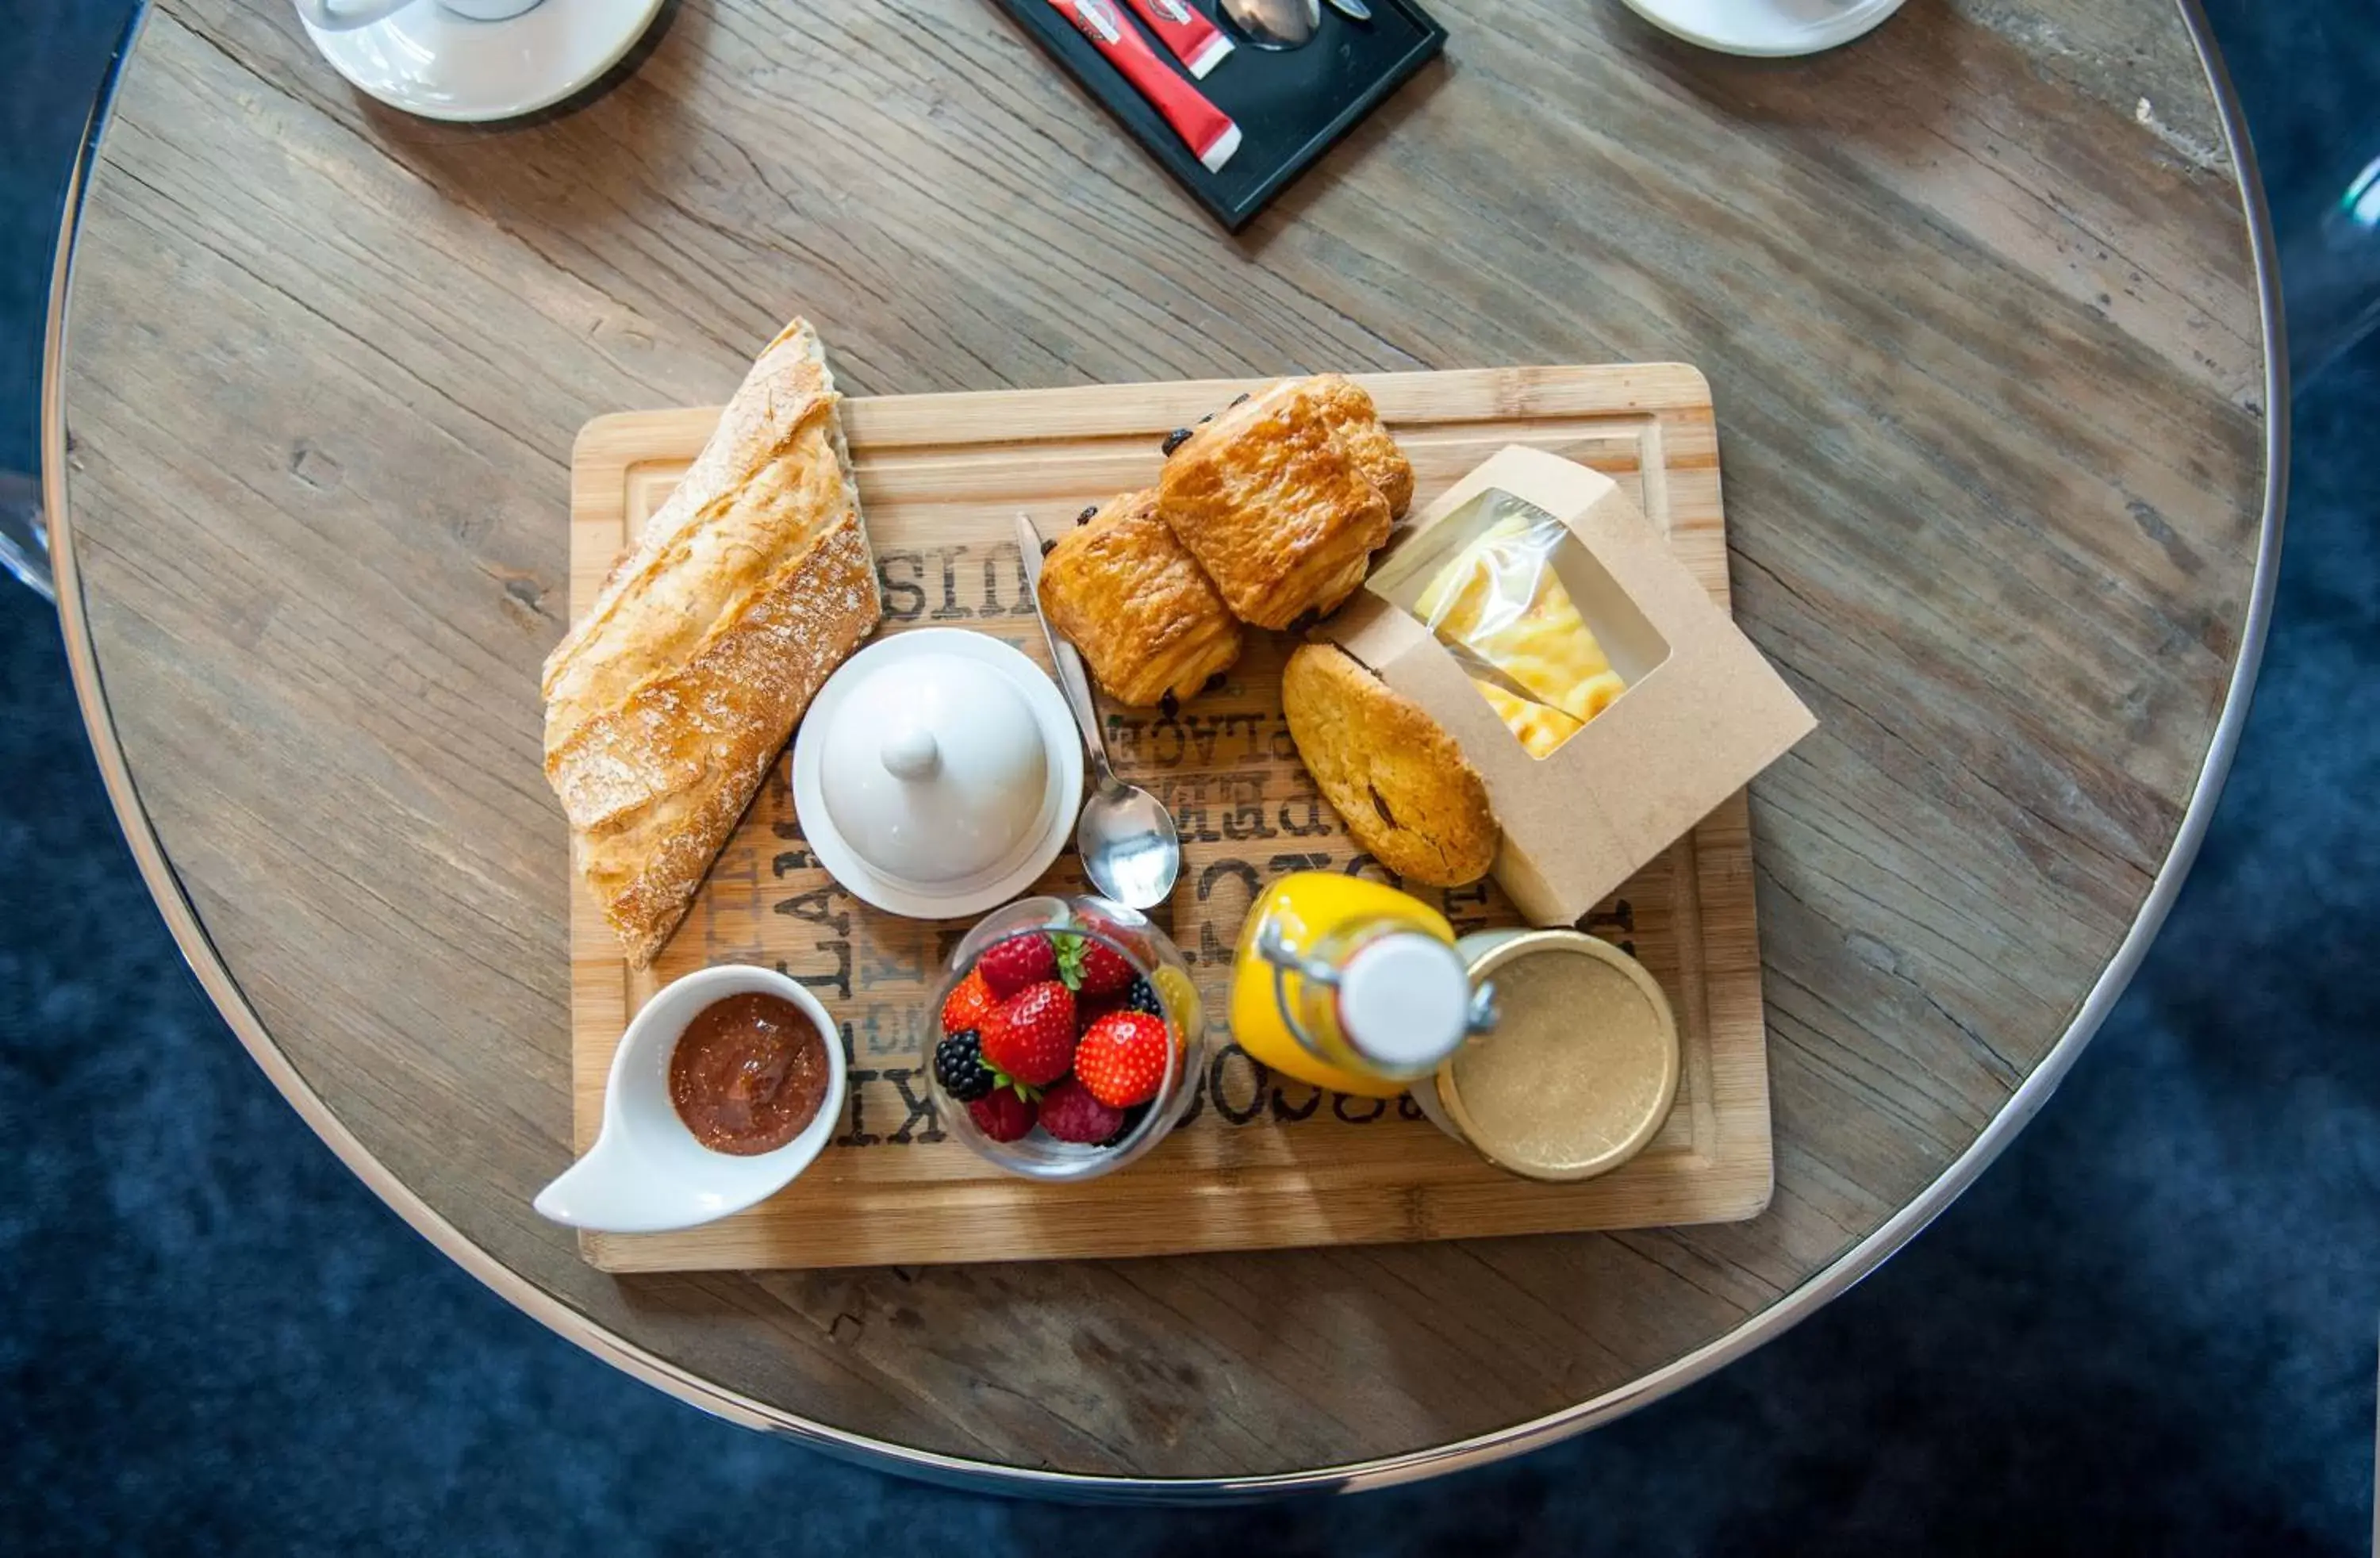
1410,1465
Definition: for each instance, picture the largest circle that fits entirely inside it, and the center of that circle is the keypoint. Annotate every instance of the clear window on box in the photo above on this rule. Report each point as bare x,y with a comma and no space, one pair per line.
1543,632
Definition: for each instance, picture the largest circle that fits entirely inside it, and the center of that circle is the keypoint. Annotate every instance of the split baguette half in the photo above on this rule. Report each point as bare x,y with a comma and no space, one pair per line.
668,702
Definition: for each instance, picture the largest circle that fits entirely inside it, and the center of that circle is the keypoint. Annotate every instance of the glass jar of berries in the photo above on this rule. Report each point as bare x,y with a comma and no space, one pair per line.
1065,1039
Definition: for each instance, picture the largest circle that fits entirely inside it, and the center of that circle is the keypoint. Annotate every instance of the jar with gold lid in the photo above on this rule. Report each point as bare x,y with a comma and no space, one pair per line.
1581,1070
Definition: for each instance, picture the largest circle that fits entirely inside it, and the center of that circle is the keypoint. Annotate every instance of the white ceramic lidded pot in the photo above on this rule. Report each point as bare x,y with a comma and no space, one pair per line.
937,773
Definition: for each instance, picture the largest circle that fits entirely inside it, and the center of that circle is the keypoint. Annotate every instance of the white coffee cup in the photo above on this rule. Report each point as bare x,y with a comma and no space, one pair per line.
331,16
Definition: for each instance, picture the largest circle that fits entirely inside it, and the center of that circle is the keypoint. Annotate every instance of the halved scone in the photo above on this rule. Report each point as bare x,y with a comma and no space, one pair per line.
1396,778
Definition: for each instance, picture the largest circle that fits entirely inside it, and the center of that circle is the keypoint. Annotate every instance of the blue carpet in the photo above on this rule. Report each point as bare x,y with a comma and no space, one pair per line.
2150,1328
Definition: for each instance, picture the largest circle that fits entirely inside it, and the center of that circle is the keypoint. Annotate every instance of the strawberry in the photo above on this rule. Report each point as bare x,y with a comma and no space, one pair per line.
1008,967
1091,968
1121,1058
1001,1115
968,1003
1070,1113
1031,1037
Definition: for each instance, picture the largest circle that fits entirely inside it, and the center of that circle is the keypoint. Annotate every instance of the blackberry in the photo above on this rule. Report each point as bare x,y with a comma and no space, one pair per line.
959,1067
1141,997
1132,1119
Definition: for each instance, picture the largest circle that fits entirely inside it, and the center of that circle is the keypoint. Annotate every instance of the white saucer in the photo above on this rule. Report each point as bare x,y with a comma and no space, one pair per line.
427,60
1771,29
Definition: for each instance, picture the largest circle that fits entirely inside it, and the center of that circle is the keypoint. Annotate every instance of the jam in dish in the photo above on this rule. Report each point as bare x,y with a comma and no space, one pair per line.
749,1074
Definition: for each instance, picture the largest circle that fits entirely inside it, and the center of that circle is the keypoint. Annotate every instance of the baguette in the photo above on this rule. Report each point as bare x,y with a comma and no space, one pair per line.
668,702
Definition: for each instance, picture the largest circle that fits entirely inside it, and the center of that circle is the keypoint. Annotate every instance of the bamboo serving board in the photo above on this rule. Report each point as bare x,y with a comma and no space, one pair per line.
1261,1160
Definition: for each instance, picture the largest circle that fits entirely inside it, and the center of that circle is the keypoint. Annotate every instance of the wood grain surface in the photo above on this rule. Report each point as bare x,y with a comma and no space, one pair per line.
1975,300
1259,1161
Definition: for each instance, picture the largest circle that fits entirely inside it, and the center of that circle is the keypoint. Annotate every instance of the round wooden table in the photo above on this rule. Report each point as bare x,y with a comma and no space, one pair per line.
1986,304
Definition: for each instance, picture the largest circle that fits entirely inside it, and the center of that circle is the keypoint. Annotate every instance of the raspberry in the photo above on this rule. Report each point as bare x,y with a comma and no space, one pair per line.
959,1067
1001,1115
1070,1113
1008,967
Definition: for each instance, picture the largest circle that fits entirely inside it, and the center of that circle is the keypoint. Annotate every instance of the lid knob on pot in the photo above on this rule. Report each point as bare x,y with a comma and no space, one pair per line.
910,753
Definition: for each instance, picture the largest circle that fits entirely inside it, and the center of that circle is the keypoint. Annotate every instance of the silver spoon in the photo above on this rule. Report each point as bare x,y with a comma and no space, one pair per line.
1127,837
1275,24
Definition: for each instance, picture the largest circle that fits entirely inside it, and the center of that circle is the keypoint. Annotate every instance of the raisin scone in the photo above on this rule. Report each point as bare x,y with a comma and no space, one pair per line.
1396,778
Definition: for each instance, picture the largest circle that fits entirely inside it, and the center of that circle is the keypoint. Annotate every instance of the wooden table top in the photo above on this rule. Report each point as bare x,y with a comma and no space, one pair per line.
1980,304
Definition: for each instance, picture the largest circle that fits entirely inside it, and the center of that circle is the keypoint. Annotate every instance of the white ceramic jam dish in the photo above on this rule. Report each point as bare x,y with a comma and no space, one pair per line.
937,773
648,1172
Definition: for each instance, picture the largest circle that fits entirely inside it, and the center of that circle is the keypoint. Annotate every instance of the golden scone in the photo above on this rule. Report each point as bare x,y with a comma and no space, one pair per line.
1270,503
1391,773
1357,422
1127,594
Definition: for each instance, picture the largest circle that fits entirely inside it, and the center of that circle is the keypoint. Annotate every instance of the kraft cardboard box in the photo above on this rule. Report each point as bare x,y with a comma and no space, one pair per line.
1699,714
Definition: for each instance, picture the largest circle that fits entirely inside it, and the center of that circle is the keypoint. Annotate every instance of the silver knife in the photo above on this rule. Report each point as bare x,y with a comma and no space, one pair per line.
1355,9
